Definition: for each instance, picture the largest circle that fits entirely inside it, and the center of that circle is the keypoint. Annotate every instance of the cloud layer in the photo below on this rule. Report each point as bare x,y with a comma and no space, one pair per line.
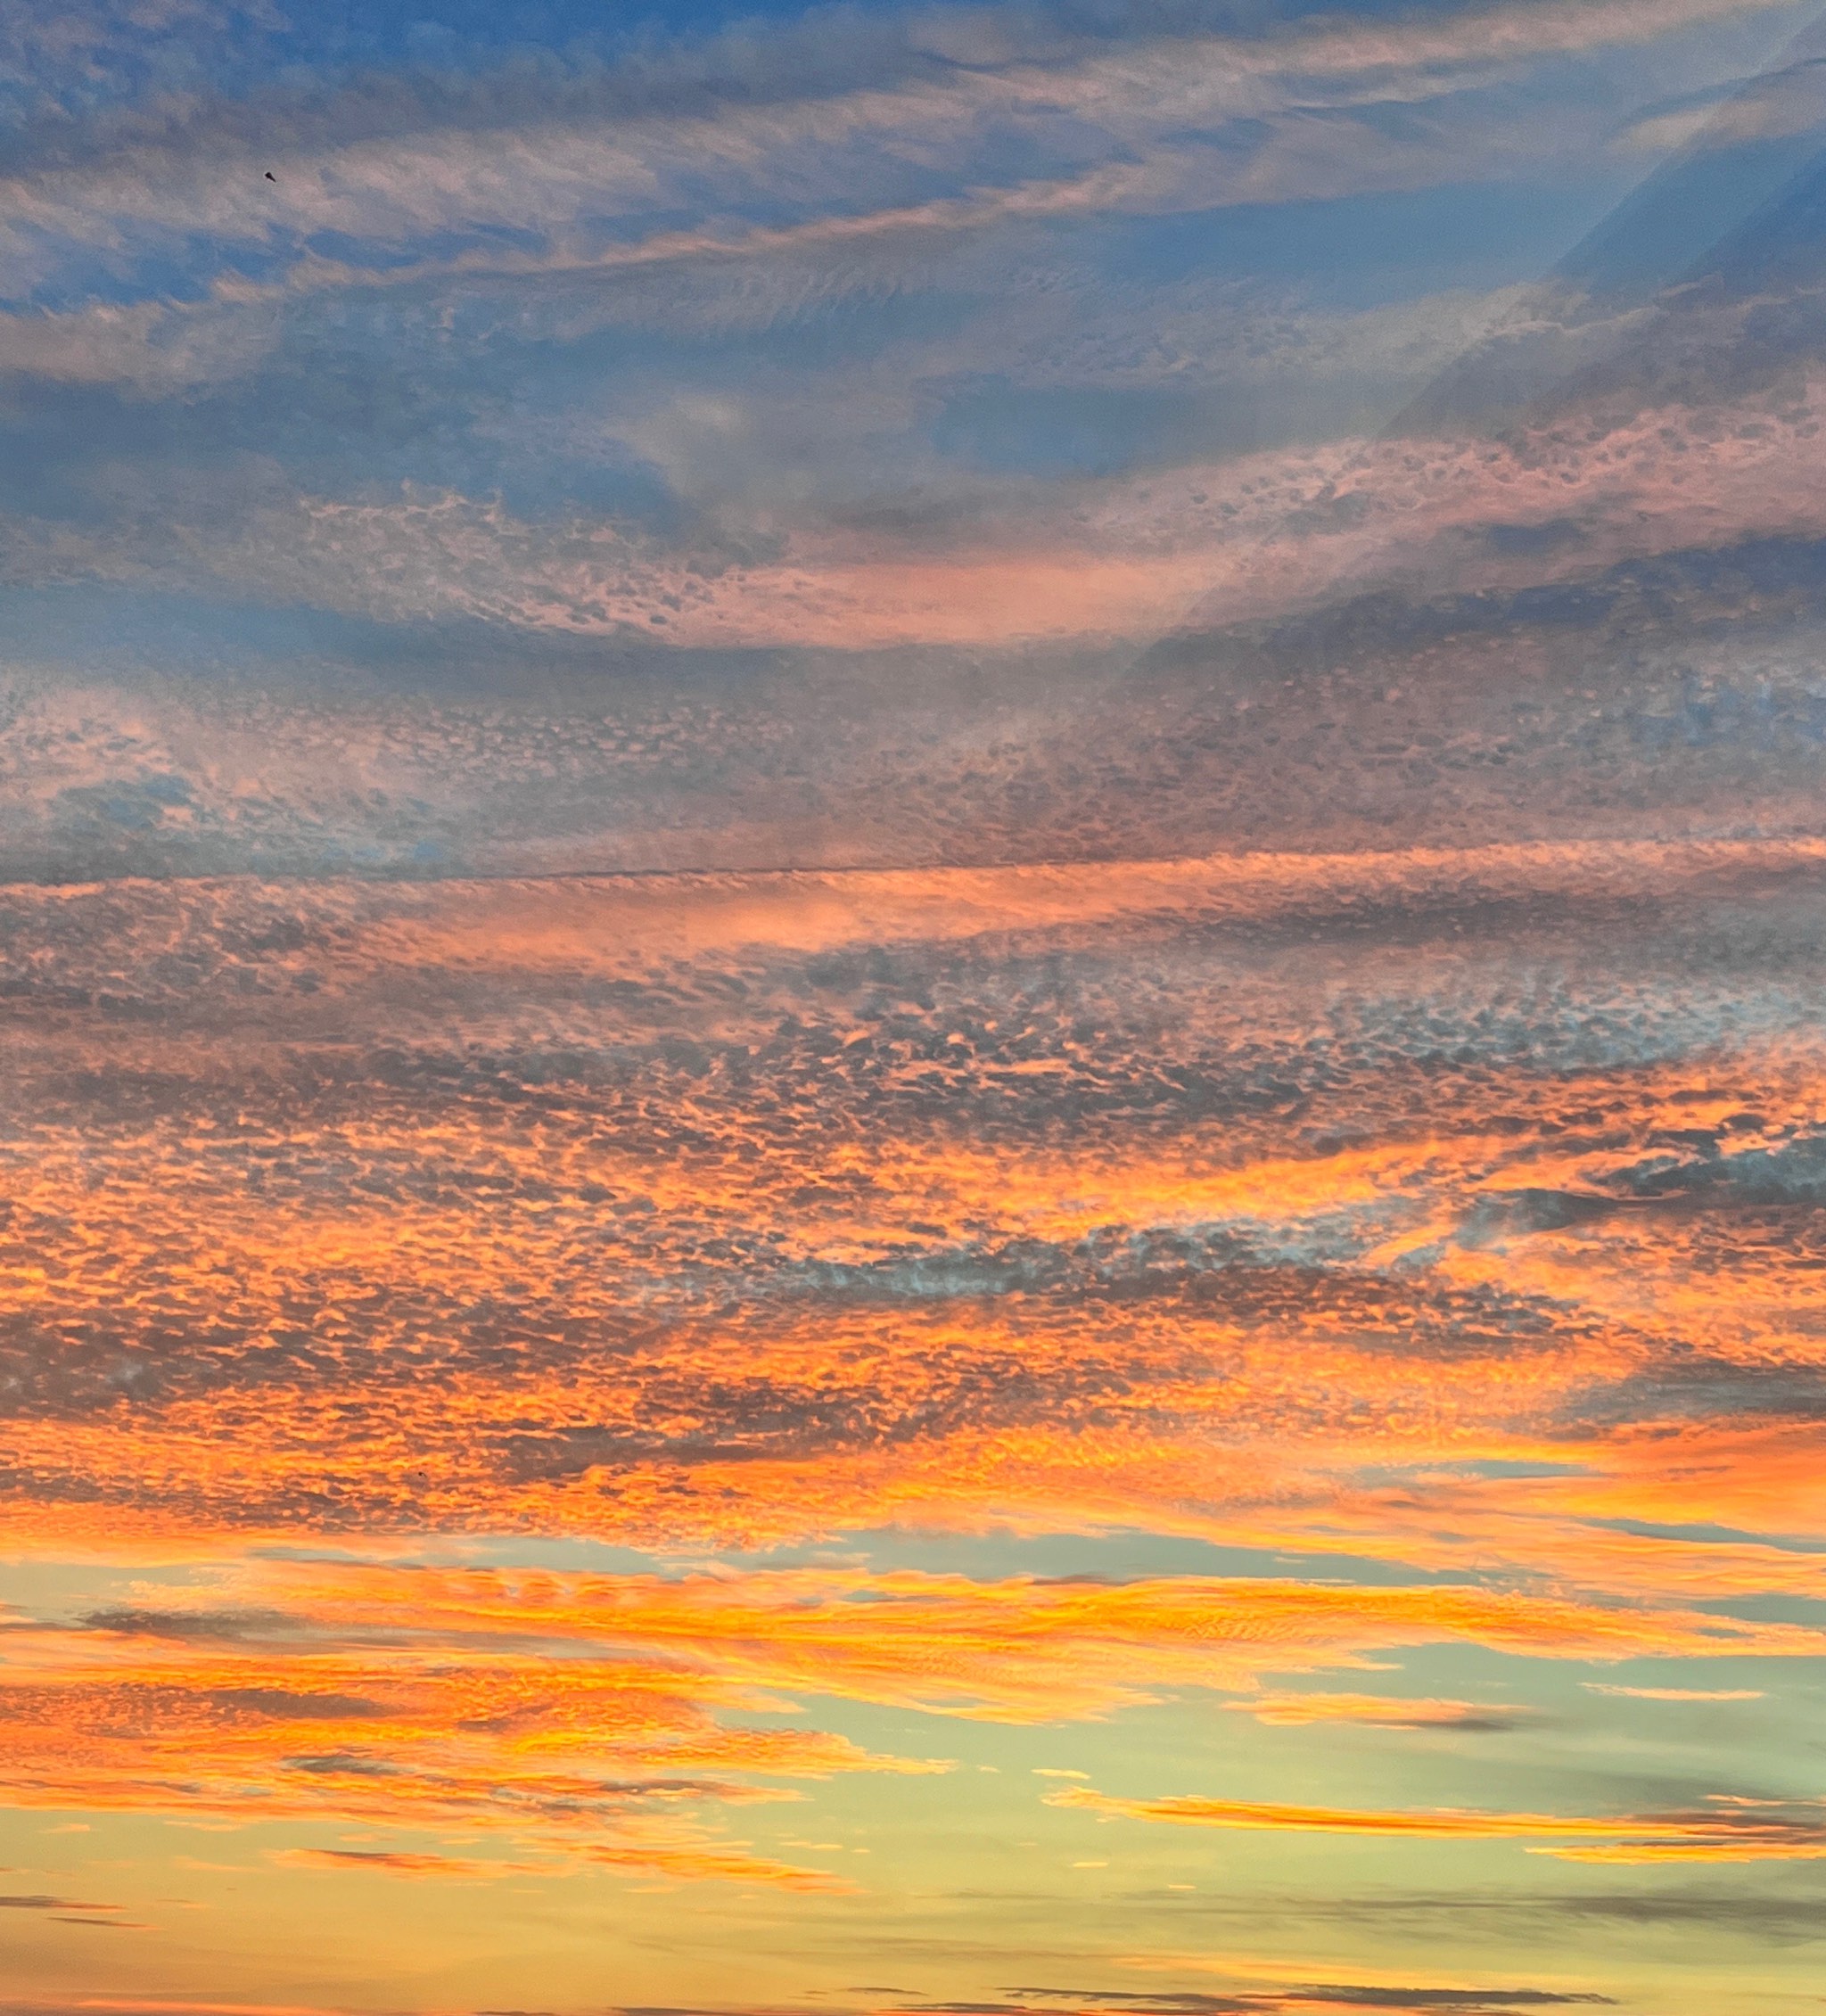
911,928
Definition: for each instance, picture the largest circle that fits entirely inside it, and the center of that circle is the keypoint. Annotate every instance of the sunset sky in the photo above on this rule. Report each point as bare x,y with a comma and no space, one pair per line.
913,965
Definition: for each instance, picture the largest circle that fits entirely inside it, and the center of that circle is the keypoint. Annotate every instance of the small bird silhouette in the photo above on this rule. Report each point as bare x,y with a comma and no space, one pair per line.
271,176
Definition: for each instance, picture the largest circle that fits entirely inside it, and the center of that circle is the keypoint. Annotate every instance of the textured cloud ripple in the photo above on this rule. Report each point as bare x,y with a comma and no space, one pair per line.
912,938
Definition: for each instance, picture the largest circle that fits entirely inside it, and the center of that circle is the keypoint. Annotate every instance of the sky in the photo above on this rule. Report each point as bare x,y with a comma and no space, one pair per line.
912,938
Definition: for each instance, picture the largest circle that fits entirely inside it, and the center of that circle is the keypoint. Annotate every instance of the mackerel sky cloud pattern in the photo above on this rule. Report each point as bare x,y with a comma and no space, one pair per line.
912,923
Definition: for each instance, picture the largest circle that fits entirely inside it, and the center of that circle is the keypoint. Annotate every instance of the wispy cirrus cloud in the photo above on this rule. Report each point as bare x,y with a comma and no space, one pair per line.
37,1901
484,167
1412,1996
1731,1829
1381,1711
587,1719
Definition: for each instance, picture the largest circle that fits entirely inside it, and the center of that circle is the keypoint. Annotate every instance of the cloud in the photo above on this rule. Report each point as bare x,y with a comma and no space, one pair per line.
1676,1693
753,115
573,1712
33,1902
395,1861
1730,1912
1380,1711
1398,1996
1732,1830
978,1273
1431,1214
172,2005
157,347
1206,549
186,1625
1784,102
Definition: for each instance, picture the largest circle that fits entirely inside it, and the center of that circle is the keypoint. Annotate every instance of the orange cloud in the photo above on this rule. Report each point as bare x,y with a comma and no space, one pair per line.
1504,1324
617,1761
1676,1693
1377,1711
637,1415
1019,1649
394,1862
582,1715
1736,1831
